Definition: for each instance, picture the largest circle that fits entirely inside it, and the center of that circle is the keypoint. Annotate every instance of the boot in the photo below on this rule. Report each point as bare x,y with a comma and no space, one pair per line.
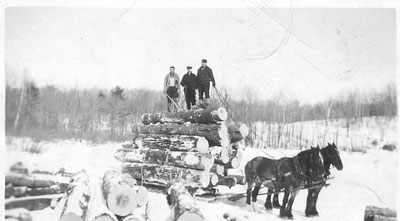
207,104
168,107
200,103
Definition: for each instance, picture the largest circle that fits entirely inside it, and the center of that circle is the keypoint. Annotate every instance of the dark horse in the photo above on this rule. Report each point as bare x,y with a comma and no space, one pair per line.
288,173
331,156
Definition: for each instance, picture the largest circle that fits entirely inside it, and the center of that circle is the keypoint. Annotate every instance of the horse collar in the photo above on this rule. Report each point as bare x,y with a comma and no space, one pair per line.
298,169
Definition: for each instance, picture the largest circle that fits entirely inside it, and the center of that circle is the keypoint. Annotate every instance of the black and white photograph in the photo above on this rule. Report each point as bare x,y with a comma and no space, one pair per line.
239,110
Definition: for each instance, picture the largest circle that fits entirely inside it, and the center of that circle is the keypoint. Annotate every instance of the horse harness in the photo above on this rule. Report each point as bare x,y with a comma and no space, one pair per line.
277,180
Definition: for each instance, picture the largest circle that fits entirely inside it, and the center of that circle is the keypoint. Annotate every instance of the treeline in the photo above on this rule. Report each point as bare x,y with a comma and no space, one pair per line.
349,105
98,115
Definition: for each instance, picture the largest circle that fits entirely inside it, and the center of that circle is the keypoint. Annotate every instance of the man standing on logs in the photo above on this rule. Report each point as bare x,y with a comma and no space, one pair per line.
172,89
189,83
204,76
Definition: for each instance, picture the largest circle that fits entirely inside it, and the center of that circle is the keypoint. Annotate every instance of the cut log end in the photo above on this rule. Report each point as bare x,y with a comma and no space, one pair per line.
122,201
220,169
244,130
204,179
235,163
214,179
71,217
207,161
222,114
190,216
202,145
104,218
239,155
225,156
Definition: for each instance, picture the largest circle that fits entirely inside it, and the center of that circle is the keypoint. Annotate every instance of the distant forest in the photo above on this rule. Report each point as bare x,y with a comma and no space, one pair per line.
84,113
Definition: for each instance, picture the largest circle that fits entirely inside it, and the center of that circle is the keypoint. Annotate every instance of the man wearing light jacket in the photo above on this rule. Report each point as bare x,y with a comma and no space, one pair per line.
172,89
204,76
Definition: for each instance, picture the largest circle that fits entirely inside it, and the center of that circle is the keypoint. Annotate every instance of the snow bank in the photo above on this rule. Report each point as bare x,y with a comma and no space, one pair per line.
367,179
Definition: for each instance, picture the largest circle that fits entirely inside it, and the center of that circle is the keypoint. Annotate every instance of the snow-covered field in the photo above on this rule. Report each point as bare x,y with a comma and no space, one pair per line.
351,135
367,179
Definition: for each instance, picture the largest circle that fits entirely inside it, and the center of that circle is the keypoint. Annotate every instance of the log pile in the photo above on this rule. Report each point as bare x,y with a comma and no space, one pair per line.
30,189
71,198
373,213
195,148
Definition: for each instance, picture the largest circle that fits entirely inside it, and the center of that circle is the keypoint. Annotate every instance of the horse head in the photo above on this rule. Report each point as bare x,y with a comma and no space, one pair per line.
333,156
315,162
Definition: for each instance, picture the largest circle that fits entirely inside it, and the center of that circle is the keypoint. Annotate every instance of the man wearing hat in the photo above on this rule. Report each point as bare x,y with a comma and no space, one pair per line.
204,76
172,89
189,83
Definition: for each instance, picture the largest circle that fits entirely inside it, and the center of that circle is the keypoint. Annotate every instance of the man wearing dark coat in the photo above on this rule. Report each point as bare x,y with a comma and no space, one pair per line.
189,83
204,76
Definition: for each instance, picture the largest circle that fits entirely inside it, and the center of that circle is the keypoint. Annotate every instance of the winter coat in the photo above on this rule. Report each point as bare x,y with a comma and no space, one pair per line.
205,75
189,80
166,82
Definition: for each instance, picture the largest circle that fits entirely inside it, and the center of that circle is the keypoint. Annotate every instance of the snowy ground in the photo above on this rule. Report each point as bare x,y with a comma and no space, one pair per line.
367,179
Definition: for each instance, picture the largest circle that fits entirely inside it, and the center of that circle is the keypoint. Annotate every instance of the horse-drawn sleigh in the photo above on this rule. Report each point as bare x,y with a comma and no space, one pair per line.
308,170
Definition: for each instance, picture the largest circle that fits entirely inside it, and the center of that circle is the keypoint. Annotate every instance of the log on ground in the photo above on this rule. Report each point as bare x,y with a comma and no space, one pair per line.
237,132
36,180
216,134
119,193
191,160
373,213
201,116
27,169
172,142
162,174
98,210
26,191
76,206
32,202
20,214
183,206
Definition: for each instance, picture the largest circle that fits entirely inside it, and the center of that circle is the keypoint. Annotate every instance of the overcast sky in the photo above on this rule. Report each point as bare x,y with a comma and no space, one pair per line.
307,54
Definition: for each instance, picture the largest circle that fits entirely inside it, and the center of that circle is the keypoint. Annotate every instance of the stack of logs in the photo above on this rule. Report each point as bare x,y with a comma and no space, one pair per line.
31,189
194,147
72,196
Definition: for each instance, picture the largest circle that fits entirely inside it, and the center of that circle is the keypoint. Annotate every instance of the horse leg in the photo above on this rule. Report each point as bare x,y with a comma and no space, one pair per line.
275,202
255,192
309,202
268,204
290,203
314,204
249,187
282,212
